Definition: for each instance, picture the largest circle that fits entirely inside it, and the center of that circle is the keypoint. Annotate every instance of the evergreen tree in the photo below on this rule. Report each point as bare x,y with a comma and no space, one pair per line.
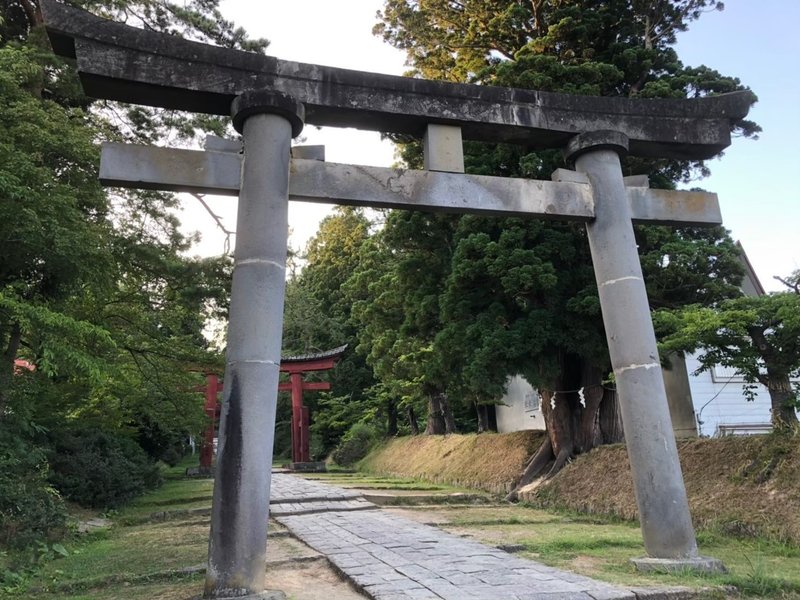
317,317
519,295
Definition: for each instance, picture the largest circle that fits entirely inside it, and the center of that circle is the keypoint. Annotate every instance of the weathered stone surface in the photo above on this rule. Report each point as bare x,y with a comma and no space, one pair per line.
254,102
238,538
658,484
670,593
309,467
443,149
391,558
131,65
314,181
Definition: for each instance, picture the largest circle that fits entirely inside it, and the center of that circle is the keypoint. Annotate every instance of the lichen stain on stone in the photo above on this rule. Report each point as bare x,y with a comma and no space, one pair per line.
230,465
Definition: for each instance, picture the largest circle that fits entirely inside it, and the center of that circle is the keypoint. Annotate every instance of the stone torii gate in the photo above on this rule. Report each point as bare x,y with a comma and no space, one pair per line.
270,100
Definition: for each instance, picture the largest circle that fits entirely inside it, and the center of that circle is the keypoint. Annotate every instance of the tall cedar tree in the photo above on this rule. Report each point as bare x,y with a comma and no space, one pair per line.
519,295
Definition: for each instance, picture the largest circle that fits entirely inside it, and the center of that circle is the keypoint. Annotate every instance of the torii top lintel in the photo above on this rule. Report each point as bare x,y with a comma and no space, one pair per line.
119,62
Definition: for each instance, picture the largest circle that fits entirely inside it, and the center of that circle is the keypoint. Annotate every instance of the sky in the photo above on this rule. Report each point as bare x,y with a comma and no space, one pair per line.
754,41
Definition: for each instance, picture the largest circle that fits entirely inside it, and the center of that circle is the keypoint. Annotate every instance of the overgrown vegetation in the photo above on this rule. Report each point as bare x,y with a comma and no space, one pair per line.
355,444
102,311
97,469
31,509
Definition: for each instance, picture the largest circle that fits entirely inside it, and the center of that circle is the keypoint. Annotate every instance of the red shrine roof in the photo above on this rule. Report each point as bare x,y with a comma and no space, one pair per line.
329,354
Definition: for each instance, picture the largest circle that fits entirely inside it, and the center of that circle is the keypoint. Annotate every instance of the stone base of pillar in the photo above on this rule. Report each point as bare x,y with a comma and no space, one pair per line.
200,471
308,467
698,564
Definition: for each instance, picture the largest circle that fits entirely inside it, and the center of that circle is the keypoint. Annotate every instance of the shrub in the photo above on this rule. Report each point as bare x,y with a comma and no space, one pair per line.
30,509
355,444
160,443
100,469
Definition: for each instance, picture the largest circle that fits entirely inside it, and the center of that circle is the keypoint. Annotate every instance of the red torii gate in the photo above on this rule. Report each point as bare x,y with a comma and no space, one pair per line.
295,366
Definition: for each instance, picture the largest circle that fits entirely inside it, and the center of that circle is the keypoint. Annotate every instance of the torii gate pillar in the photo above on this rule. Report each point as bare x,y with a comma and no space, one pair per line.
658,483
238,541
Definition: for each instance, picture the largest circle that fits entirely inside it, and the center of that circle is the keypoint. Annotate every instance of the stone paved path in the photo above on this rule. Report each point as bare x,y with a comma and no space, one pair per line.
392,558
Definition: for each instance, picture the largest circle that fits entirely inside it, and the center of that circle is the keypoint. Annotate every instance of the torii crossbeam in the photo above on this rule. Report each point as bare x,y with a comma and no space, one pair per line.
270,100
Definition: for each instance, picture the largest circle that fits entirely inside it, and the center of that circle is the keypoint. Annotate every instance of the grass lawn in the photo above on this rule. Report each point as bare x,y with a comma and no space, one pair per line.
601,548
365,481
141,556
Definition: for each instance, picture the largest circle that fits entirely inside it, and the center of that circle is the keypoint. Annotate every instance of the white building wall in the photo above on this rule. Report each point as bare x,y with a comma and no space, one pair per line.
520,408
719,401
717,396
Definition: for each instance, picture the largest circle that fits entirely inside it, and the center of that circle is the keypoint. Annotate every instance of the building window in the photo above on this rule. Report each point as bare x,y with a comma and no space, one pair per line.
720,374
532,401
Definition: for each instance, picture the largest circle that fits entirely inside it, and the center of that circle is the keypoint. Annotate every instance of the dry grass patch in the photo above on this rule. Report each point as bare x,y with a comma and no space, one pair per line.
742,486
487,461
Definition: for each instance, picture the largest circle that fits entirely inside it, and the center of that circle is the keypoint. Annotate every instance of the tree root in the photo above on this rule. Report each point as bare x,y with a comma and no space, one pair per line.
535,466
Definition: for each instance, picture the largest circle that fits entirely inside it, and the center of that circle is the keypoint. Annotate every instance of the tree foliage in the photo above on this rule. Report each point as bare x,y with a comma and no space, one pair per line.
519,296
317,317
97,289
758,336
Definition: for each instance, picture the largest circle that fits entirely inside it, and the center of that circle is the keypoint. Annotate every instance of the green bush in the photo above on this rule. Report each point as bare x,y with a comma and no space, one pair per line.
30,509
332,418
355,444
100,469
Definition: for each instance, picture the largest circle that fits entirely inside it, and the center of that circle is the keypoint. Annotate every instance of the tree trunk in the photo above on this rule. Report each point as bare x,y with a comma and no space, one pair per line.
447,414
391,418
7,365
440,416
435,417
412,420
483,417
611,418
579,415
783,402
586,411
491,415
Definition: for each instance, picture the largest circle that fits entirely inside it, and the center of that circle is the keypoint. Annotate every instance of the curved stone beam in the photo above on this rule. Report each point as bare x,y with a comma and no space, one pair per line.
123,63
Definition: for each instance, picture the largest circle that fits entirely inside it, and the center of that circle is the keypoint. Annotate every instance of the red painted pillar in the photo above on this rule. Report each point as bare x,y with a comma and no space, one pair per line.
297,416
305,428
207,449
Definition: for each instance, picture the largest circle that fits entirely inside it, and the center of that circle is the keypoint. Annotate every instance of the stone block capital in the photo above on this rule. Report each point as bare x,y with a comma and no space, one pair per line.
596,140
256,102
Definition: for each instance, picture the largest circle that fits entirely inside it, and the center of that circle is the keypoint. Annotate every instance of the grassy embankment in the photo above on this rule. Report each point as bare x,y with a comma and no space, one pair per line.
744,486
744,495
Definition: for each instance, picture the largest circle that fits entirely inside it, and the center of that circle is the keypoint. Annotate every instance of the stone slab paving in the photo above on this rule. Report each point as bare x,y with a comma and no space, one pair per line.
279,509
392,558
290,488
